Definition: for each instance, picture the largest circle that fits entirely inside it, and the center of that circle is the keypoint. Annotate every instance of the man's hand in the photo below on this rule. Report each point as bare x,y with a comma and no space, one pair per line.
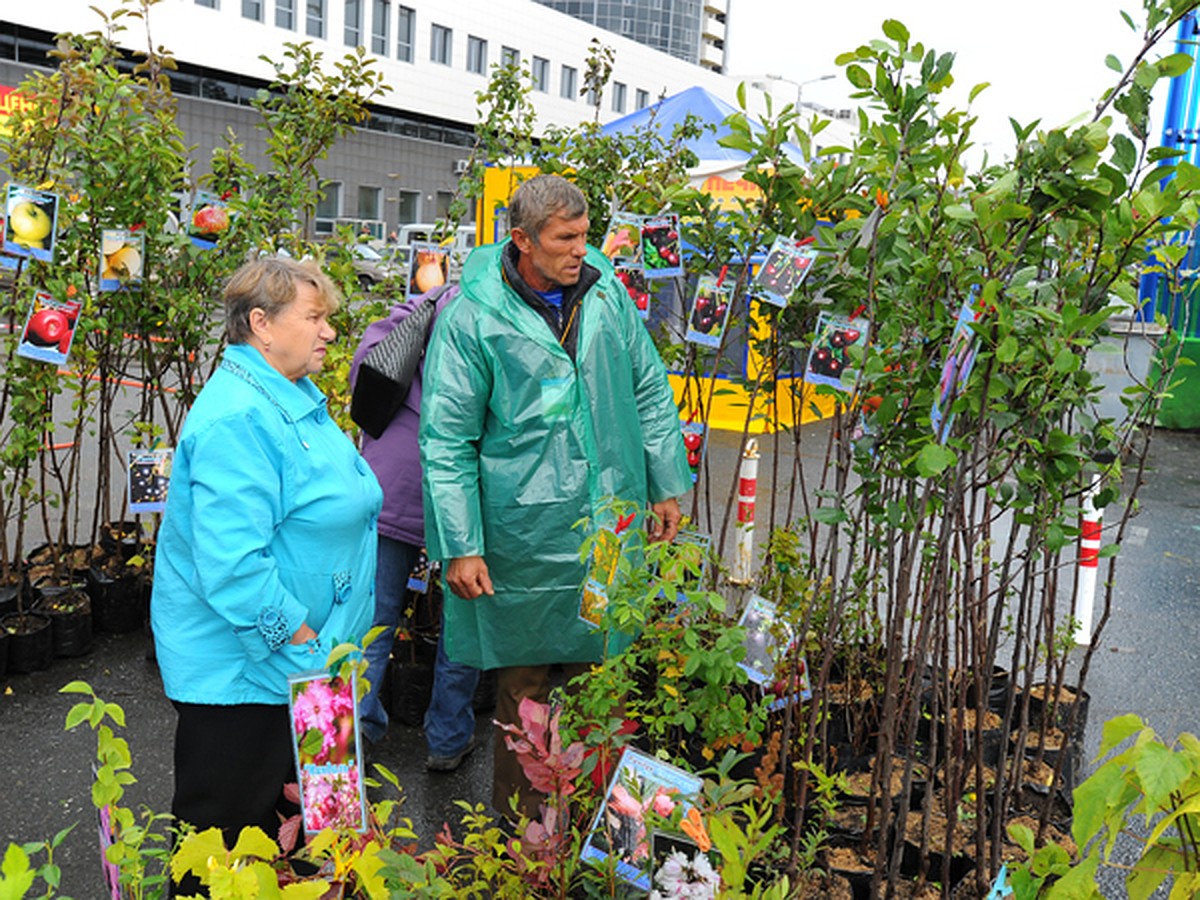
664,524
468,577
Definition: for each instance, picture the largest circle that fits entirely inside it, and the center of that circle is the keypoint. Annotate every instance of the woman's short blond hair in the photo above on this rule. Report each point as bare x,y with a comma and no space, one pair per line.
269,284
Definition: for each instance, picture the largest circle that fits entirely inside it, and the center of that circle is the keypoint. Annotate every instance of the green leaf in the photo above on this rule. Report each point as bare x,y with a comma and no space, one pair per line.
1118,730
253,842
1161,772
934,459
1007,351
1173,65
79,713
1078,882
1092,799
1150,870
830,515
194,852
895,30
18,877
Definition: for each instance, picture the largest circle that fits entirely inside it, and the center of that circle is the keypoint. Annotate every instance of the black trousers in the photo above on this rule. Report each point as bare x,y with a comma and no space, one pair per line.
231,763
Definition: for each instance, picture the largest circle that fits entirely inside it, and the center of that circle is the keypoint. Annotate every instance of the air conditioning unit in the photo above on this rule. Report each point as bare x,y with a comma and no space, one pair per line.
461,166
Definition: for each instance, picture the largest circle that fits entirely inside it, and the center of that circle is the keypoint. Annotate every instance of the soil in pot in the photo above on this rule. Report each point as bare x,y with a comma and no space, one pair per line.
70,612
3,651
121,540
49,564
854,865
1042,701
30,642
815,883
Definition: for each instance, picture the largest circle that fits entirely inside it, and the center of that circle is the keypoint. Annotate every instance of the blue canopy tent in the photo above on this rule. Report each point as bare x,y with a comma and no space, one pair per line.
710,109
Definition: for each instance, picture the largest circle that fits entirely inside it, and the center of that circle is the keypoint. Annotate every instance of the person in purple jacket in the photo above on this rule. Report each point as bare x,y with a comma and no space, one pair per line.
396,461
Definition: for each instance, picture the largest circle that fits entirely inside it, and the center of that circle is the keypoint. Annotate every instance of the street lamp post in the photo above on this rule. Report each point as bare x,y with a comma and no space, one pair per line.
770,78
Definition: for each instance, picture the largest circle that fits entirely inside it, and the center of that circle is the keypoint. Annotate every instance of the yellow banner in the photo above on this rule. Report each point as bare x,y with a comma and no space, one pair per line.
10,102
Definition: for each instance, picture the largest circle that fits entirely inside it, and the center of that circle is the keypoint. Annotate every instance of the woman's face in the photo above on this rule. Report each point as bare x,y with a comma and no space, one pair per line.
294,341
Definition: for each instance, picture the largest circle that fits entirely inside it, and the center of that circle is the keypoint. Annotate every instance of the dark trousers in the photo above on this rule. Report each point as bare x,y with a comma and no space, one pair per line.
231,763
514,683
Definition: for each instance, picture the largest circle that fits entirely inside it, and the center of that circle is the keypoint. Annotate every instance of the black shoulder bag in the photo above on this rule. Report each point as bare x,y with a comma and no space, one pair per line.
386,373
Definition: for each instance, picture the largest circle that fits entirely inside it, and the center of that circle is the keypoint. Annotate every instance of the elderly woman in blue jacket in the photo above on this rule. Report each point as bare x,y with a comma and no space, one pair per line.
266,554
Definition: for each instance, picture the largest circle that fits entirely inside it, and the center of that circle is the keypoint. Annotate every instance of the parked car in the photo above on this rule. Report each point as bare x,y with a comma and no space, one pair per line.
371,267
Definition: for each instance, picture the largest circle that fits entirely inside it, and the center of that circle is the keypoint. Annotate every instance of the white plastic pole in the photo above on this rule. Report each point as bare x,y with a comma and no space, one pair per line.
1089,562
747,489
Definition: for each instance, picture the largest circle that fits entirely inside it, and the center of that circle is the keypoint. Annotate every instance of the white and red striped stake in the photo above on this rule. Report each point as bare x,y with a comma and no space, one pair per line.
743,562
1092,520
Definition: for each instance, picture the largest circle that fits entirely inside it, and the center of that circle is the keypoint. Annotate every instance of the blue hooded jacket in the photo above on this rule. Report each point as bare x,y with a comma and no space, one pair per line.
270,524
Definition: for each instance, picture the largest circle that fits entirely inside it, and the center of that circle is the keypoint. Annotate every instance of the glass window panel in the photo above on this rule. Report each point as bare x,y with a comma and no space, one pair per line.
406,27
380,23
353,23
314,18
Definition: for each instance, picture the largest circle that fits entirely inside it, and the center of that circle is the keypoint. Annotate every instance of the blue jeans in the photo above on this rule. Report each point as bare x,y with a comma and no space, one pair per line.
450,721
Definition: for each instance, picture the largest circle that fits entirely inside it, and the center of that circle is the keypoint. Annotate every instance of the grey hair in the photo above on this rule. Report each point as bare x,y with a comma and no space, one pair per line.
269,284
536,201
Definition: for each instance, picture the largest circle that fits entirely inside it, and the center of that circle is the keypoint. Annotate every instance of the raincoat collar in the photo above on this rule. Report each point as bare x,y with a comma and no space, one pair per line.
484,282
294,399
567,314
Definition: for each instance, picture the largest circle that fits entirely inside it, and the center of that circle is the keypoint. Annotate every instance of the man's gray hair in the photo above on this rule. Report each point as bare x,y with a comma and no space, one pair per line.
536,201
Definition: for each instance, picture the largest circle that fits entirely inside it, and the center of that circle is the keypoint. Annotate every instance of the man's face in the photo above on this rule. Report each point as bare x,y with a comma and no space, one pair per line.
555,259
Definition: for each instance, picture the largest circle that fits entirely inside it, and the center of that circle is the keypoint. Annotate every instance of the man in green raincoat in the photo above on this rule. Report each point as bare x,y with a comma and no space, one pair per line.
544,398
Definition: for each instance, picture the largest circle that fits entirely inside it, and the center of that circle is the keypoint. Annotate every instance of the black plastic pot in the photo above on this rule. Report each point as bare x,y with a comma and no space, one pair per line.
30,642
70,612
11,596
410,677
3,652
118,604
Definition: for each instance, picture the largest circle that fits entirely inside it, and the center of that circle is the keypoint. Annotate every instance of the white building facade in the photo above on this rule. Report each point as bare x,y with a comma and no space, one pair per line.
434,56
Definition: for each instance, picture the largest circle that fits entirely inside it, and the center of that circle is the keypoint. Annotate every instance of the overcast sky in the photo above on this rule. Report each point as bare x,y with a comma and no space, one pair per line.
1044,58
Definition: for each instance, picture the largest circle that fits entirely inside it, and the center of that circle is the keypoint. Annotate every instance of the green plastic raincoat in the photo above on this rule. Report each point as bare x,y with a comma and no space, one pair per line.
519,443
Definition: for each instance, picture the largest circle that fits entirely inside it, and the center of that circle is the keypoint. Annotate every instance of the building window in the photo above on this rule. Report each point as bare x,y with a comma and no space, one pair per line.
314,25
510,56
476,55
406,27
407,213
252,9
441,44
618,101
353,24
642,99
592,99
444,198
285,14
380,24
369,202
541,74
211,4
329,207
567,83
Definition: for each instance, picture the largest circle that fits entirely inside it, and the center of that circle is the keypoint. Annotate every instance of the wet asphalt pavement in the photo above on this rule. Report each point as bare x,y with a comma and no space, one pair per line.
1148,663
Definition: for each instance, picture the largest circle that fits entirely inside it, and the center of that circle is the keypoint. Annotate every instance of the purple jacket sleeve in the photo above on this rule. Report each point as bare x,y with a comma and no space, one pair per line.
393,456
